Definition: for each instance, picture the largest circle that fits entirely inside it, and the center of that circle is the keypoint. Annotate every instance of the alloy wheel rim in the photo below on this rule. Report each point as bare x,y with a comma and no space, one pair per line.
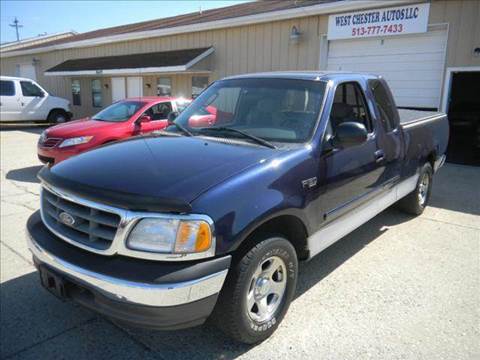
267,289
423,189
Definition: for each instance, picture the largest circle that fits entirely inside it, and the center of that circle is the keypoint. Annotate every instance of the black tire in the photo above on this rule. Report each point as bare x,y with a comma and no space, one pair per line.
416,202
57,117
232,314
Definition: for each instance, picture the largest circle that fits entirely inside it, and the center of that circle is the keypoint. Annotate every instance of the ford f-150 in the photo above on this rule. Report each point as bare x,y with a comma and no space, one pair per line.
167,229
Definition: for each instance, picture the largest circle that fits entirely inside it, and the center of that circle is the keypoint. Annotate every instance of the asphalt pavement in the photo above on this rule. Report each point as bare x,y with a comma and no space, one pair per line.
399,287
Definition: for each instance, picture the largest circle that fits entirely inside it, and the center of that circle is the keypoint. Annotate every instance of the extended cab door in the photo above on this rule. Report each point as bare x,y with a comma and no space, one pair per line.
33,101
390,136
10,109
352,174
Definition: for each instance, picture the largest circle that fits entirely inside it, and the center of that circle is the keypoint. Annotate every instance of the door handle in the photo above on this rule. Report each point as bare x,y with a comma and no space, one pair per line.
379,156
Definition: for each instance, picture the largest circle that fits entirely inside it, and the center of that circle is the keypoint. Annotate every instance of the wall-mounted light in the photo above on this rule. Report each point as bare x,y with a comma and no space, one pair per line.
476,52
295,35
148,86
106,86
35,61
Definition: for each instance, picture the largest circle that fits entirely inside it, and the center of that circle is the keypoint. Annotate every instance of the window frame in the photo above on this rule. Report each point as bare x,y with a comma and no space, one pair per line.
41,93
169,80
206,86
93,92
79,98
389,124
13,88
156,105
358,87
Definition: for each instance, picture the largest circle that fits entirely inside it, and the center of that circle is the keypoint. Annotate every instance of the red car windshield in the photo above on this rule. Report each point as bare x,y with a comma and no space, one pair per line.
120,111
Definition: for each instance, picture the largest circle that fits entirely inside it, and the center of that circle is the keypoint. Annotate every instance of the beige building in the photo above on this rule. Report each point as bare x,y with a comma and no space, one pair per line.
423,49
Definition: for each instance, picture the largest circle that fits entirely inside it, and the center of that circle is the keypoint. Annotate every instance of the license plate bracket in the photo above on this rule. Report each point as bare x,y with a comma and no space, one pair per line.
54,283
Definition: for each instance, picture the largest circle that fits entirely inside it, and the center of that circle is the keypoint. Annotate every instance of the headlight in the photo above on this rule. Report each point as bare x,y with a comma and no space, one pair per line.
75,141
43,137
172,236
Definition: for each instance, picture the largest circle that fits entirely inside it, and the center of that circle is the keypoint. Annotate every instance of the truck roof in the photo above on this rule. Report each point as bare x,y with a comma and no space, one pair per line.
303,75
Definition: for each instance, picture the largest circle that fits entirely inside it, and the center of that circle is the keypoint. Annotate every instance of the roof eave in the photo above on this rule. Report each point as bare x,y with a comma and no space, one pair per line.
320,9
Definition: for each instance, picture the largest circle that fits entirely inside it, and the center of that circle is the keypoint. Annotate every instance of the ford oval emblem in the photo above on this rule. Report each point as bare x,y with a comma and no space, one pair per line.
66,218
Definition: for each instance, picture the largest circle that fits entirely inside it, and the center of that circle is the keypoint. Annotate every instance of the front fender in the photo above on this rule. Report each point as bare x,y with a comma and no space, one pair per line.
248,200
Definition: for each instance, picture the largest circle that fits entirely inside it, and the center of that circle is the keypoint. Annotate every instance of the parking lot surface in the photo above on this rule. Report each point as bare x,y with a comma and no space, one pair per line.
398,287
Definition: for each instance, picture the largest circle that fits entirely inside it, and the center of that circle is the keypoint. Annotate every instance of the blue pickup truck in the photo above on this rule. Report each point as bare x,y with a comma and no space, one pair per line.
168,229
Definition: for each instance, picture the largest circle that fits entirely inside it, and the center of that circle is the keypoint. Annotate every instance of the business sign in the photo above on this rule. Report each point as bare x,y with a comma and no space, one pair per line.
379,22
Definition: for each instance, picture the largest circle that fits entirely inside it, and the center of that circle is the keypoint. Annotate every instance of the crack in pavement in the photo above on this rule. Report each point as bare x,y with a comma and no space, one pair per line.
16,253
450,223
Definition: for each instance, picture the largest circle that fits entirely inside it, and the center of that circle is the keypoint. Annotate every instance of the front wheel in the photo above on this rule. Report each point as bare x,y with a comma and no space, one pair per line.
258,291
415,202
57,117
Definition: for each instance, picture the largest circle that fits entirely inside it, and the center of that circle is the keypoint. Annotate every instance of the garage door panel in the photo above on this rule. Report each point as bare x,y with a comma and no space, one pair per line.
407,85
415,101
413,65
387,65
420,57
433,42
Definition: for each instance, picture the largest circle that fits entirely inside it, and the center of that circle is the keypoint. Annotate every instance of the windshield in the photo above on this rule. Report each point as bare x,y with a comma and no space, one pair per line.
120,111
278,110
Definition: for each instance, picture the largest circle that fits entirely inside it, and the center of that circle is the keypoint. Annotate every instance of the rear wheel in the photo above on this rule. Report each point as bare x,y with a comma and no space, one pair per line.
415,202
258,291
57,117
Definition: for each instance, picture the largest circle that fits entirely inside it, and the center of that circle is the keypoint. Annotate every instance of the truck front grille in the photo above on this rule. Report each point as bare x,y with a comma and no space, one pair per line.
78,223
50,142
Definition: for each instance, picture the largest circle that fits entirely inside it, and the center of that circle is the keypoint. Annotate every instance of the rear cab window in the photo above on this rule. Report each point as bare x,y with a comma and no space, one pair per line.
385,104
7,88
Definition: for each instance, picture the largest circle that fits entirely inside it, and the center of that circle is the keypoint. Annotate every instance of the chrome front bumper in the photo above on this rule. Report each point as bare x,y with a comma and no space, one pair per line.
158,295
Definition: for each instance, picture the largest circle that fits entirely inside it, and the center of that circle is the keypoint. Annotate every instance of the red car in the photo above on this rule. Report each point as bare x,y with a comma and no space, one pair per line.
120,120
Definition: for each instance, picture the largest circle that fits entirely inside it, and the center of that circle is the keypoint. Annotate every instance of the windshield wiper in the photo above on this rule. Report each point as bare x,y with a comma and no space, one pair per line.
244,134
183,129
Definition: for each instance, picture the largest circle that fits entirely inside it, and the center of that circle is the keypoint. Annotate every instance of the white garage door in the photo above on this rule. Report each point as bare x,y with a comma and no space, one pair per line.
413,65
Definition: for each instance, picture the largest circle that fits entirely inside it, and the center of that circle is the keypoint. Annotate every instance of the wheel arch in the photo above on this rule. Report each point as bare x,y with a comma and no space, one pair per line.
290,226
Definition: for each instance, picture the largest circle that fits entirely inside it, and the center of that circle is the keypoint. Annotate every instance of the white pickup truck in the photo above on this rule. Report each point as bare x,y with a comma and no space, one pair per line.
23,99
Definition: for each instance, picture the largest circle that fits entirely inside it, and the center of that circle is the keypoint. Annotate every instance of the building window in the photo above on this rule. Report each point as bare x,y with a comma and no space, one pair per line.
198,84
96,93
164,86
77,100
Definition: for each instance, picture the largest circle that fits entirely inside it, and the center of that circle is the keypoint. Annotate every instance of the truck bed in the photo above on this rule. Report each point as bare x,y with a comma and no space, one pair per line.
412,116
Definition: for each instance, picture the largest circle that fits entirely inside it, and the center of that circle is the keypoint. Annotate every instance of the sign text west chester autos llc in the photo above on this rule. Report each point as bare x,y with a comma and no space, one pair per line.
379,22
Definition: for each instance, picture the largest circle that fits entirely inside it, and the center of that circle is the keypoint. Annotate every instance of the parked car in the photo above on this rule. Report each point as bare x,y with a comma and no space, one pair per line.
167,230
24,100
118,121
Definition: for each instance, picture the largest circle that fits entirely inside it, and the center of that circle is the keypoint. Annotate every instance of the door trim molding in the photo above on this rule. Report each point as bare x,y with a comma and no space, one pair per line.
340,227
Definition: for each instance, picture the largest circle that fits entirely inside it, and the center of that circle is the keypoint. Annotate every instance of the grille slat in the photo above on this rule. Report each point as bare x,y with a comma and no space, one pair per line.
50,142
91,227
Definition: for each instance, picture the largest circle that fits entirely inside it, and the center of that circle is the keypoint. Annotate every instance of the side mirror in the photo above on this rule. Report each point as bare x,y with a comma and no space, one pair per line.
172,116
144,118
349,134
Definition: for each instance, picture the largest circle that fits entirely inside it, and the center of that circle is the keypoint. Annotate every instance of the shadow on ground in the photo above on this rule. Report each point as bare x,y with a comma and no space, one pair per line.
26,174
30,128
457,188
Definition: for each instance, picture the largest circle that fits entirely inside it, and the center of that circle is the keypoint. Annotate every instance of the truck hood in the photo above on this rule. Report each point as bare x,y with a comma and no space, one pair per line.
80,127
160,173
